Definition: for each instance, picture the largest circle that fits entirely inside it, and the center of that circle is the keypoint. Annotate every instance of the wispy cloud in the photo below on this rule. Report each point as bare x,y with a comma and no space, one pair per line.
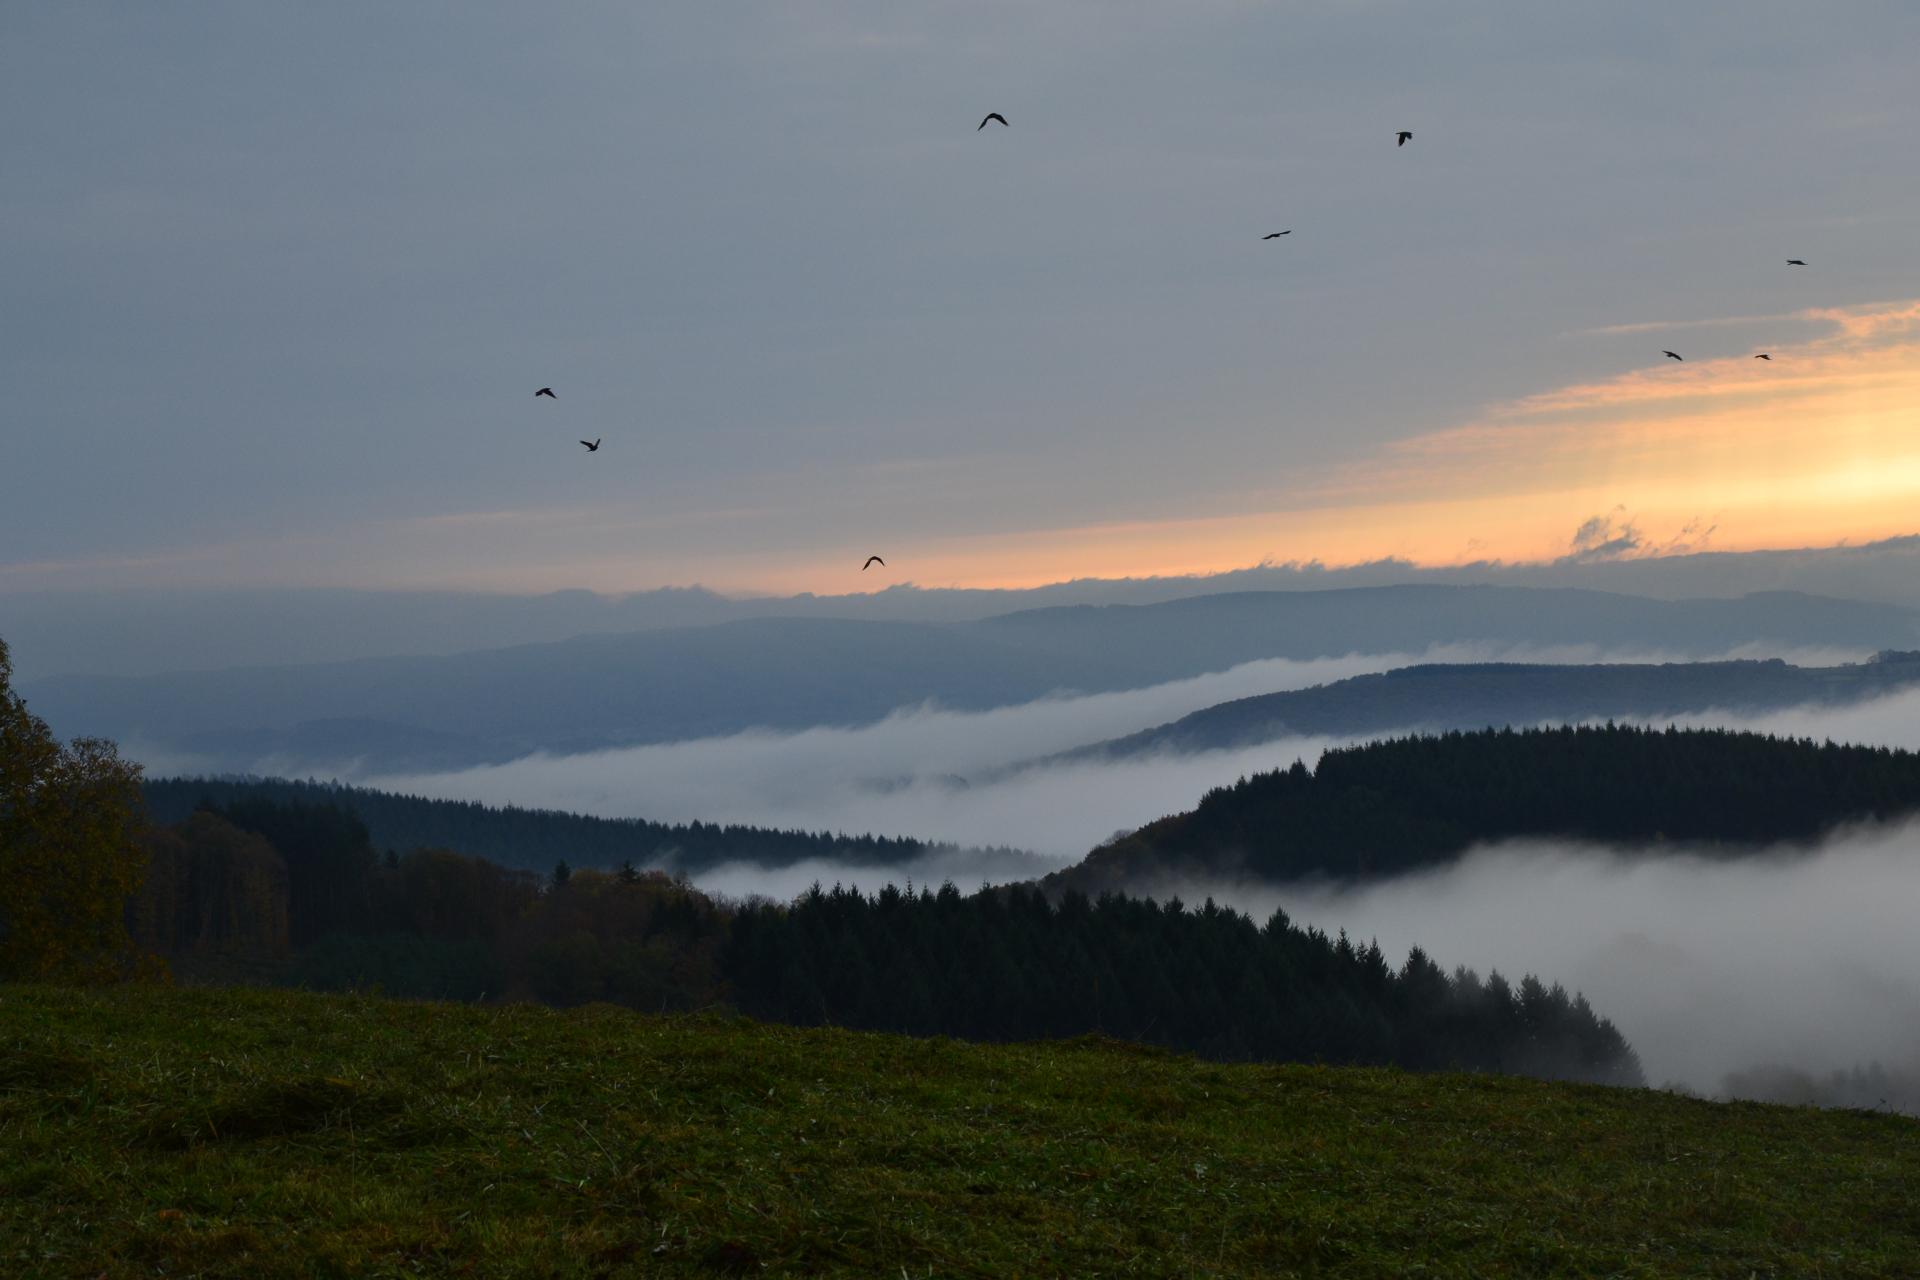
1712,322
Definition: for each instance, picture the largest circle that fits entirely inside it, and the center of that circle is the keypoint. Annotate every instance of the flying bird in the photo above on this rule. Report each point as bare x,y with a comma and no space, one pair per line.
992,115
876,560
1796,262
1276,235
1403,135
547,392
1673,355
1764,356
593,446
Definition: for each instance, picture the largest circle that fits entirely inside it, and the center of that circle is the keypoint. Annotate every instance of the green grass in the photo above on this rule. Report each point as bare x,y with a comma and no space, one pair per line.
256,1133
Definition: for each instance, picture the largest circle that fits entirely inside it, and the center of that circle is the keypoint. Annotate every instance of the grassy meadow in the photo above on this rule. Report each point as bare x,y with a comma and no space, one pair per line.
246,1133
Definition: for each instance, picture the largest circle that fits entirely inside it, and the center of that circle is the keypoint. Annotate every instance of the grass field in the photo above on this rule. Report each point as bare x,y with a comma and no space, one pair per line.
249,1133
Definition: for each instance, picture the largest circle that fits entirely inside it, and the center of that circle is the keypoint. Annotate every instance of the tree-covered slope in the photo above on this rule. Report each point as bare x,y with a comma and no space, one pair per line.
531,839
273,890
279,1134
1382,808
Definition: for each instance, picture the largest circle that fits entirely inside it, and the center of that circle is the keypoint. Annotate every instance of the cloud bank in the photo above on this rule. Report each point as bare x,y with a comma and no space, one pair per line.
1806,958
939,774
909,774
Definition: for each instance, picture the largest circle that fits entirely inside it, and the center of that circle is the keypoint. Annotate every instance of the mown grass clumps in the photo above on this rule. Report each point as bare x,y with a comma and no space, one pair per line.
259,1133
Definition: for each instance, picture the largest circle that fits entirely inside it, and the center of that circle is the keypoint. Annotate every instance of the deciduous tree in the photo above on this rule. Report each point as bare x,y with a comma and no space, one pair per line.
70,819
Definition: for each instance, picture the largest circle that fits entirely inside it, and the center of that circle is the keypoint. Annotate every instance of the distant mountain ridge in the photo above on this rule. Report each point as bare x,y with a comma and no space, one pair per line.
150,632
598,691
1441,696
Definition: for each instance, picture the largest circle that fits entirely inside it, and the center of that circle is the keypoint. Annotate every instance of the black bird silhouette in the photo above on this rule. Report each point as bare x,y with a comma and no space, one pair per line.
547,392
1796,262
876,560
1276,235
1403,136
1764,356
593,446
992,115
1673,355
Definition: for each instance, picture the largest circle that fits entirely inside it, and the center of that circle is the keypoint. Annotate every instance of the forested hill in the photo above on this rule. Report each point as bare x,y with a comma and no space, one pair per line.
1437,696
532,839
1388,807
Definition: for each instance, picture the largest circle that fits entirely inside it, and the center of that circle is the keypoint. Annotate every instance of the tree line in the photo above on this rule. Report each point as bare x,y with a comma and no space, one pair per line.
535,839
998,964
1015,965
270,888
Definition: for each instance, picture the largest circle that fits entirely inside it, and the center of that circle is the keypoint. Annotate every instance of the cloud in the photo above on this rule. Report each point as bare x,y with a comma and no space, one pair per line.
1600,538
1615,536
1716,322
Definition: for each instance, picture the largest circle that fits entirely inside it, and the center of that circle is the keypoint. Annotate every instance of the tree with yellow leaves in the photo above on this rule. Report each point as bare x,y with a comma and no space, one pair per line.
70,818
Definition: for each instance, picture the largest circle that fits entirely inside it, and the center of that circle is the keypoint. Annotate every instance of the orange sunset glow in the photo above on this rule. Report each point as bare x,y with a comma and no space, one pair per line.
1819,445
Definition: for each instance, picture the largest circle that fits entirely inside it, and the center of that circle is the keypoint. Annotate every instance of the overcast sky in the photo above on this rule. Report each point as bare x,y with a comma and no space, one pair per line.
280,282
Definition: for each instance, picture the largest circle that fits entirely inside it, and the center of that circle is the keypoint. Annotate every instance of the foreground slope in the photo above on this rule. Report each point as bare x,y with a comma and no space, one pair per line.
280,1134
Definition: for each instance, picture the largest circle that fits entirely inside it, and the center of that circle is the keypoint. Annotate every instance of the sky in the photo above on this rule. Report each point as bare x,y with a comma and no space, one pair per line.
282,281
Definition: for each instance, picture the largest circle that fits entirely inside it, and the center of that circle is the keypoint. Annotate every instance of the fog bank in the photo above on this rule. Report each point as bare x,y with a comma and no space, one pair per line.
939,774
1804,958
1807,959
909,773
968,869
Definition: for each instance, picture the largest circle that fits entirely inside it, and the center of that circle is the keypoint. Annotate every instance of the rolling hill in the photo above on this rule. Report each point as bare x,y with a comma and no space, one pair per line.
1388,807
1441,696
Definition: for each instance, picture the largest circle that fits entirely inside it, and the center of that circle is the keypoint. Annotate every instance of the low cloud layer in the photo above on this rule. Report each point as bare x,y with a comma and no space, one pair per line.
967,869
909,774
937,774
1893,721
1807,959
1801,957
